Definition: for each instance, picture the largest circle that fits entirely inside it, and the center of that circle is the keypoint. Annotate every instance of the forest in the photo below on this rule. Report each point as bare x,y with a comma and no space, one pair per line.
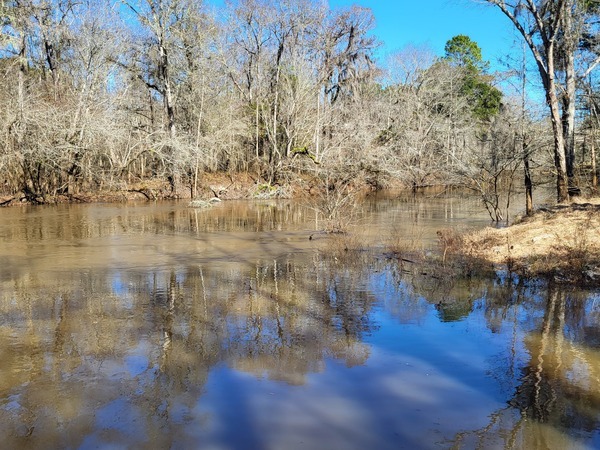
103,95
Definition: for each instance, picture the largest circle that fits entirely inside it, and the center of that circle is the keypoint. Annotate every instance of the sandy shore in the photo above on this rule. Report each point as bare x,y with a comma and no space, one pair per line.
561,242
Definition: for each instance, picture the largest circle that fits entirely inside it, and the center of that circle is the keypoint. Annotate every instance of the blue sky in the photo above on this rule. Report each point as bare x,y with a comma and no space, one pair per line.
433,22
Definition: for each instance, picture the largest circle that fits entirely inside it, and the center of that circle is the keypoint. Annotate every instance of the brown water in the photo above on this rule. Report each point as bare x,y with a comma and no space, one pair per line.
243,327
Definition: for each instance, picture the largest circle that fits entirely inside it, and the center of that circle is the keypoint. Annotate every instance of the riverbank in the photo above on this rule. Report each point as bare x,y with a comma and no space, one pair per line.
561,243
222,185
226,186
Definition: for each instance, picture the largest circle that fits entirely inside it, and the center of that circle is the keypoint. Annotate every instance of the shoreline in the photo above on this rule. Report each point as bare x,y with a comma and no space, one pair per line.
225,186
222,185
559,243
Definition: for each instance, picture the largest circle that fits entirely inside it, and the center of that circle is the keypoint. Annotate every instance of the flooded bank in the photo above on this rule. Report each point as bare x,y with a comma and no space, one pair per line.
161,326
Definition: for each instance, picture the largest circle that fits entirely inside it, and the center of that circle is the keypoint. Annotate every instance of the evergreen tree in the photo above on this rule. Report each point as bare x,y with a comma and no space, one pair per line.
464,54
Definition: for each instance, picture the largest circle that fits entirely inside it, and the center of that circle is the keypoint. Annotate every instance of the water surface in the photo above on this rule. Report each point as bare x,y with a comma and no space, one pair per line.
160,326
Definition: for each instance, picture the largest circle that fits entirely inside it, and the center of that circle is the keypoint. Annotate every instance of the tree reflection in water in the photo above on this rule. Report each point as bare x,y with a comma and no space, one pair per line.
556,396
123,357
171,328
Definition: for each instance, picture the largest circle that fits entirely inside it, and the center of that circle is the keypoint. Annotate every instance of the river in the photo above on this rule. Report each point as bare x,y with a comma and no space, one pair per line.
155,325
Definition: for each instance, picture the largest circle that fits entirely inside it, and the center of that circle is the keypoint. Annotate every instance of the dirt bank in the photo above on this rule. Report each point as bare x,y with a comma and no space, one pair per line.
561,242
226,186
222,185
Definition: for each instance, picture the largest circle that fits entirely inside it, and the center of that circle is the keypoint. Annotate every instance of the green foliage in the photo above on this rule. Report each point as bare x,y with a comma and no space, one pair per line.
590,6
265,188
300,151
484,98
304,152
465,54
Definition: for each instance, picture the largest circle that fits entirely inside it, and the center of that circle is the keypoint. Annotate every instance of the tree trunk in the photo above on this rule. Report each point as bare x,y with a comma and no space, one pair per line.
528,183
593,160
318,129
168,94
172,175
560,160
531,22
524,147
21,80
568,121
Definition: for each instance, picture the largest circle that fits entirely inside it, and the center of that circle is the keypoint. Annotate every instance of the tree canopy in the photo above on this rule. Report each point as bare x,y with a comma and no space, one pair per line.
465,54
98,96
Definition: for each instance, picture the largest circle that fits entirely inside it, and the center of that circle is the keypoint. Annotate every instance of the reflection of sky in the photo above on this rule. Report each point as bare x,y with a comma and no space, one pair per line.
115,420
419,386
118,286
400,376
424,381
121,289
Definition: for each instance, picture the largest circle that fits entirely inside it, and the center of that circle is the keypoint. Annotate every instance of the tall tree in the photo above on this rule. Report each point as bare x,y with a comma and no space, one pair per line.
552,30
157,58
153,63
465,54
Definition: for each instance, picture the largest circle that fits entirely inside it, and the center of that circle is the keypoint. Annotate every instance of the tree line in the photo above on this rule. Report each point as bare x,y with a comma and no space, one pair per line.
98,94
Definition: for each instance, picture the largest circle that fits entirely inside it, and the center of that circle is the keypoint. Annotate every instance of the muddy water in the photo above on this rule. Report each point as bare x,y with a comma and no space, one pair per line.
160,326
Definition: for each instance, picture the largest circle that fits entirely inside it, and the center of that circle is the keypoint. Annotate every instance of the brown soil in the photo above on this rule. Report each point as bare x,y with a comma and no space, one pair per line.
222,185
561,242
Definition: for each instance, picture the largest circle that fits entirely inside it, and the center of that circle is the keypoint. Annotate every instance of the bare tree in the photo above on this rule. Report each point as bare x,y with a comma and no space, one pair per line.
155,58
552,31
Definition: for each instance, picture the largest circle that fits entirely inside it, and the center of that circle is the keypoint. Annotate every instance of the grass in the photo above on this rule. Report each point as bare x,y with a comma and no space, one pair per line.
561,243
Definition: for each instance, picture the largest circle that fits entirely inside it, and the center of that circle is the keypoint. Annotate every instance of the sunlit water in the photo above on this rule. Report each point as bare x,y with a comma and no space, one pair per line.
243,327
